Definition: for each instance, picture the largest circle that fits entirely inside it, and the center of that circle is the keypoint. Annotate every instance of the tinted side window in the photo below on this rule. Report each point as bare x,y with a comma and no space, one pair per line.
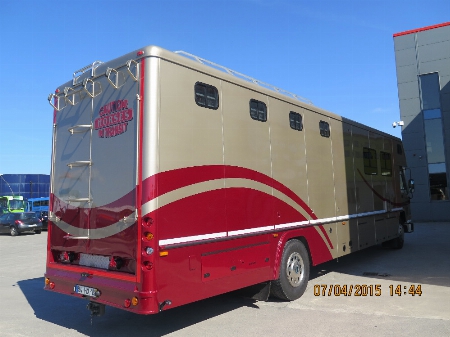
324,128
295,121
206,96
258,110
370,161
385,164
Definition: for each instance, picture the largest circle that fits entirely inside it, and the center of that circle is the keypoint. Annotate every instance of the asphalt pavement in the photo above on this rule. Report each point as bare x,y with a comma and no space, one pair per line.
412,284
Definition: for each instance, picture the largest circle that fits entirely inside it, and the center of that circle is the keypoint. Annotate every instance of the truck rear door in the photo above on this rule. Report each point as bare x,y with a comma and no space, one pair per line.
93,182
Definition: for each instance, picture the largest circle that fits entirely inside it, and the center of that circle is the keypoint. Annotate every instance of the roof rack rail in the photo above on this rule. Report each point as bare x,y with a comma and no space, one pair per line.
245,77
76,75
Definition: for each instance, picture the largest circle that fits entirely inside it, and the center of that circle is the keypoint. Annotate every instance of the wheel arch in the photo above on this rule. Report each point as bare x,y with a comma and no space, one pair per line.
284,238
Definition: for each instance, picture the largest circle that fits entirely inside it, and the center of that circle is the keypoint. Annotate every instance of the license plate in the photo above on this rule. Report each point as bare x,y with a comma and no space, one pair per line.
32,225
86,291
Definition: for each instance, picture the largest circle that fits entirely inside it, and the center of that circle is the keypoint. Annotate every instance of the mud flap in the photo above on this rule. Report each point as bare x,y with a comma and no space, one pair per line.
409,227
259,292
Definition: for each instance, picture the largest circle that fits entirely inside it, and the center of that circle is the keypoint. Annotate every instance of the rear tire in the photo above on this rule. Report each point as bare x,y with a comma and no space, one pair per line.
37,232
13,231
294,272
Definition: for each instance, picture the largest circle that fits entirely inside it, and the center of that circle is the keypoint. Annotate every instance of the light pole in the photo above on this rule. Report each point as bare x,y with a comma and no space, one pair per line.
1,175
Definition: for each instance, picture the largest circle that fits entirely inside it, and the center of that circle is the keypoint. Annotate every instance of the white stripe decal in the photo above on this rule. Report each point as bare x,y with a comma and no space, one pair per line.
98,233
193,238
292,224
251,230
189,239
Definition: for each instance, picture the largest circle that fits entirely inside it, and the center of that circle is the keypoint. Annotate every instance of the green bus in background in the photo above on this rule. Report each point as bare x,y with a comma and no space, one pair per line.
12,204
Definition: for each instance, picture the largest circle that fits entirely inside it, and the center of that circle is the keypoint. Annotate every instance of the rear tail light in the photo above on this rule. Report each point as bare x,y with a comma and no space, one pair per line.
148,265
49,283
18,222
67,257
116,262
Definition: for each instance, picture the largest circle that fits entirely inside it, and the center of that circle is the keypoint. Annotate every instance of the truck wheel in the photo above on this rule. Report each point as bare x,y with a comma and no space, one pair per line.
13,231
294,272
398,242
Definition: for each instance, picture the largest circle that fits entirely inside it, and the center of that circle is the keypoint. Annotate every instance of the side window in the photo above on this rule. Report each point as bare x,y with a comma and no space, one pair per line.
370,161
258,110
324,128
402,180
206,96
385,164
295,121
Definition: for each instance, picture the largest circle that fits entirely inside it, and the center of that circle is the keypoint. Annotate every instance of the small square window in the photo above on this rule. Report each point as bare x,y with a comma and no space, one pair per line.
206,96
258,110
295,121
324,128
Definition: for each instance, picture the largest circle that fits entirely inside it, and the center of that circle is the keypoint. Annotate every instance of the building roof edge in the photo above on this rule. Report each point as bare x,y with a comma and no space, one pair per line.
417,30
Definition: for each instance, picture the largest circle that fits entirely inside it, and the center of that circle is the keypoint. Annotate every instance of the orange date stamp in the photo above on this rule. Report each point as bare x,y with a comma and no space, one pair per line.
364,290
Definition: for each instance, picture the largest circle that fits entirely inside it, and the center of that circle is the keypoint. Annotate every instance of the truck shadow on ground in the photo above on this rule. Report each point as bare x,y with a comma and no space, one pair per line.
424,259
71,313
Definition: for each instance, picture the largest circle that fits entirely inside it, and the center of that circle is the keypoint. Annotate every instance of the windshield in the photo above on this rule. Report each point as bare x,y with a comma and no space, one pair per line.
16,204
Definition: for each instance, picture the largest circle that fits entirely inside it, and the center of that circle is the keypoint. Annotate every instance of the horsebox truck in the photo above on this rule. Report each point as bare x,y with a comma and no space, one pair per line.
174,179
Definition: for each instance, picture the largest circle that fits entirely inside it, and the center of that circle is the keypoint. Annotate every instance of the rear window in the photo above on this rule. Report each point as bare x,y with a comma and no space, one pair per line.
24,216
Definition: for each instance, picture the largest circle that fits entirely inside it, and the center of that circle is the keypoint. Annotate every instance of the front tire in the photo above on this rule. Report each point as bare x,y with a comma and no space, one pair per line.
294,272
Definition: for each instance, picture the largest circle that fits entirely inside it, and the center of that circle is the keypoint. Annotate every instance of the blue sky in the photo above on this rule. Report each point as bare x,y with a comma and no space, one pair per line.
337,53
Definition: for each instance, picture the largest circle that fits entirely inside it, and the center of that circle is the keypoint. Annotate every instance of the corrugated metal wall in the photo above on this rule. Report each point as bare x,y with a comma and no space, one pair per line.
418,53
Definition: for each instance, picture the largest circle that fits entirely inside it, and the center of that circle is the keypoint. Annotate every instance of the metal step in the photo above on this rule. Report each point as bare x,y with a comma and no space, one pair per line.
80,163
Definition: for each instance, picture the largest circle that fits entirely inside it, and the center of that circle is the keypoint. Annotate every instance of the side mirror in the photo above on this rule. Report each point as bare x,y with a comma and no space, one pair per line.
411,185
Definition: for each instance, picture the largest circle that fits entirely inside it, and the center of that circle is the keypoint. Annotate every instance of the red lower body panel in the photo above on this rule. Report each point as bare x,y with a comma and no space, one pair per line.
114,290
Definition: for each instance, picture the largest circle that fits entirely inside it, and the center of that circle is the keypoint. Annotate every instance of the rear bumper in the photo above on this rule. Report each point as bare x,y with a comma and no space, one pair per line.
29,228
114,291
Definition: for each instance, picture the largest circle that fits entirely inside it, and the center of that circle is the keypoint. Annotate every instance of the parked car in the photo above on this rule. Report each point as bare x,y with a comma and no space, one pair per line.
43,216
16,223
